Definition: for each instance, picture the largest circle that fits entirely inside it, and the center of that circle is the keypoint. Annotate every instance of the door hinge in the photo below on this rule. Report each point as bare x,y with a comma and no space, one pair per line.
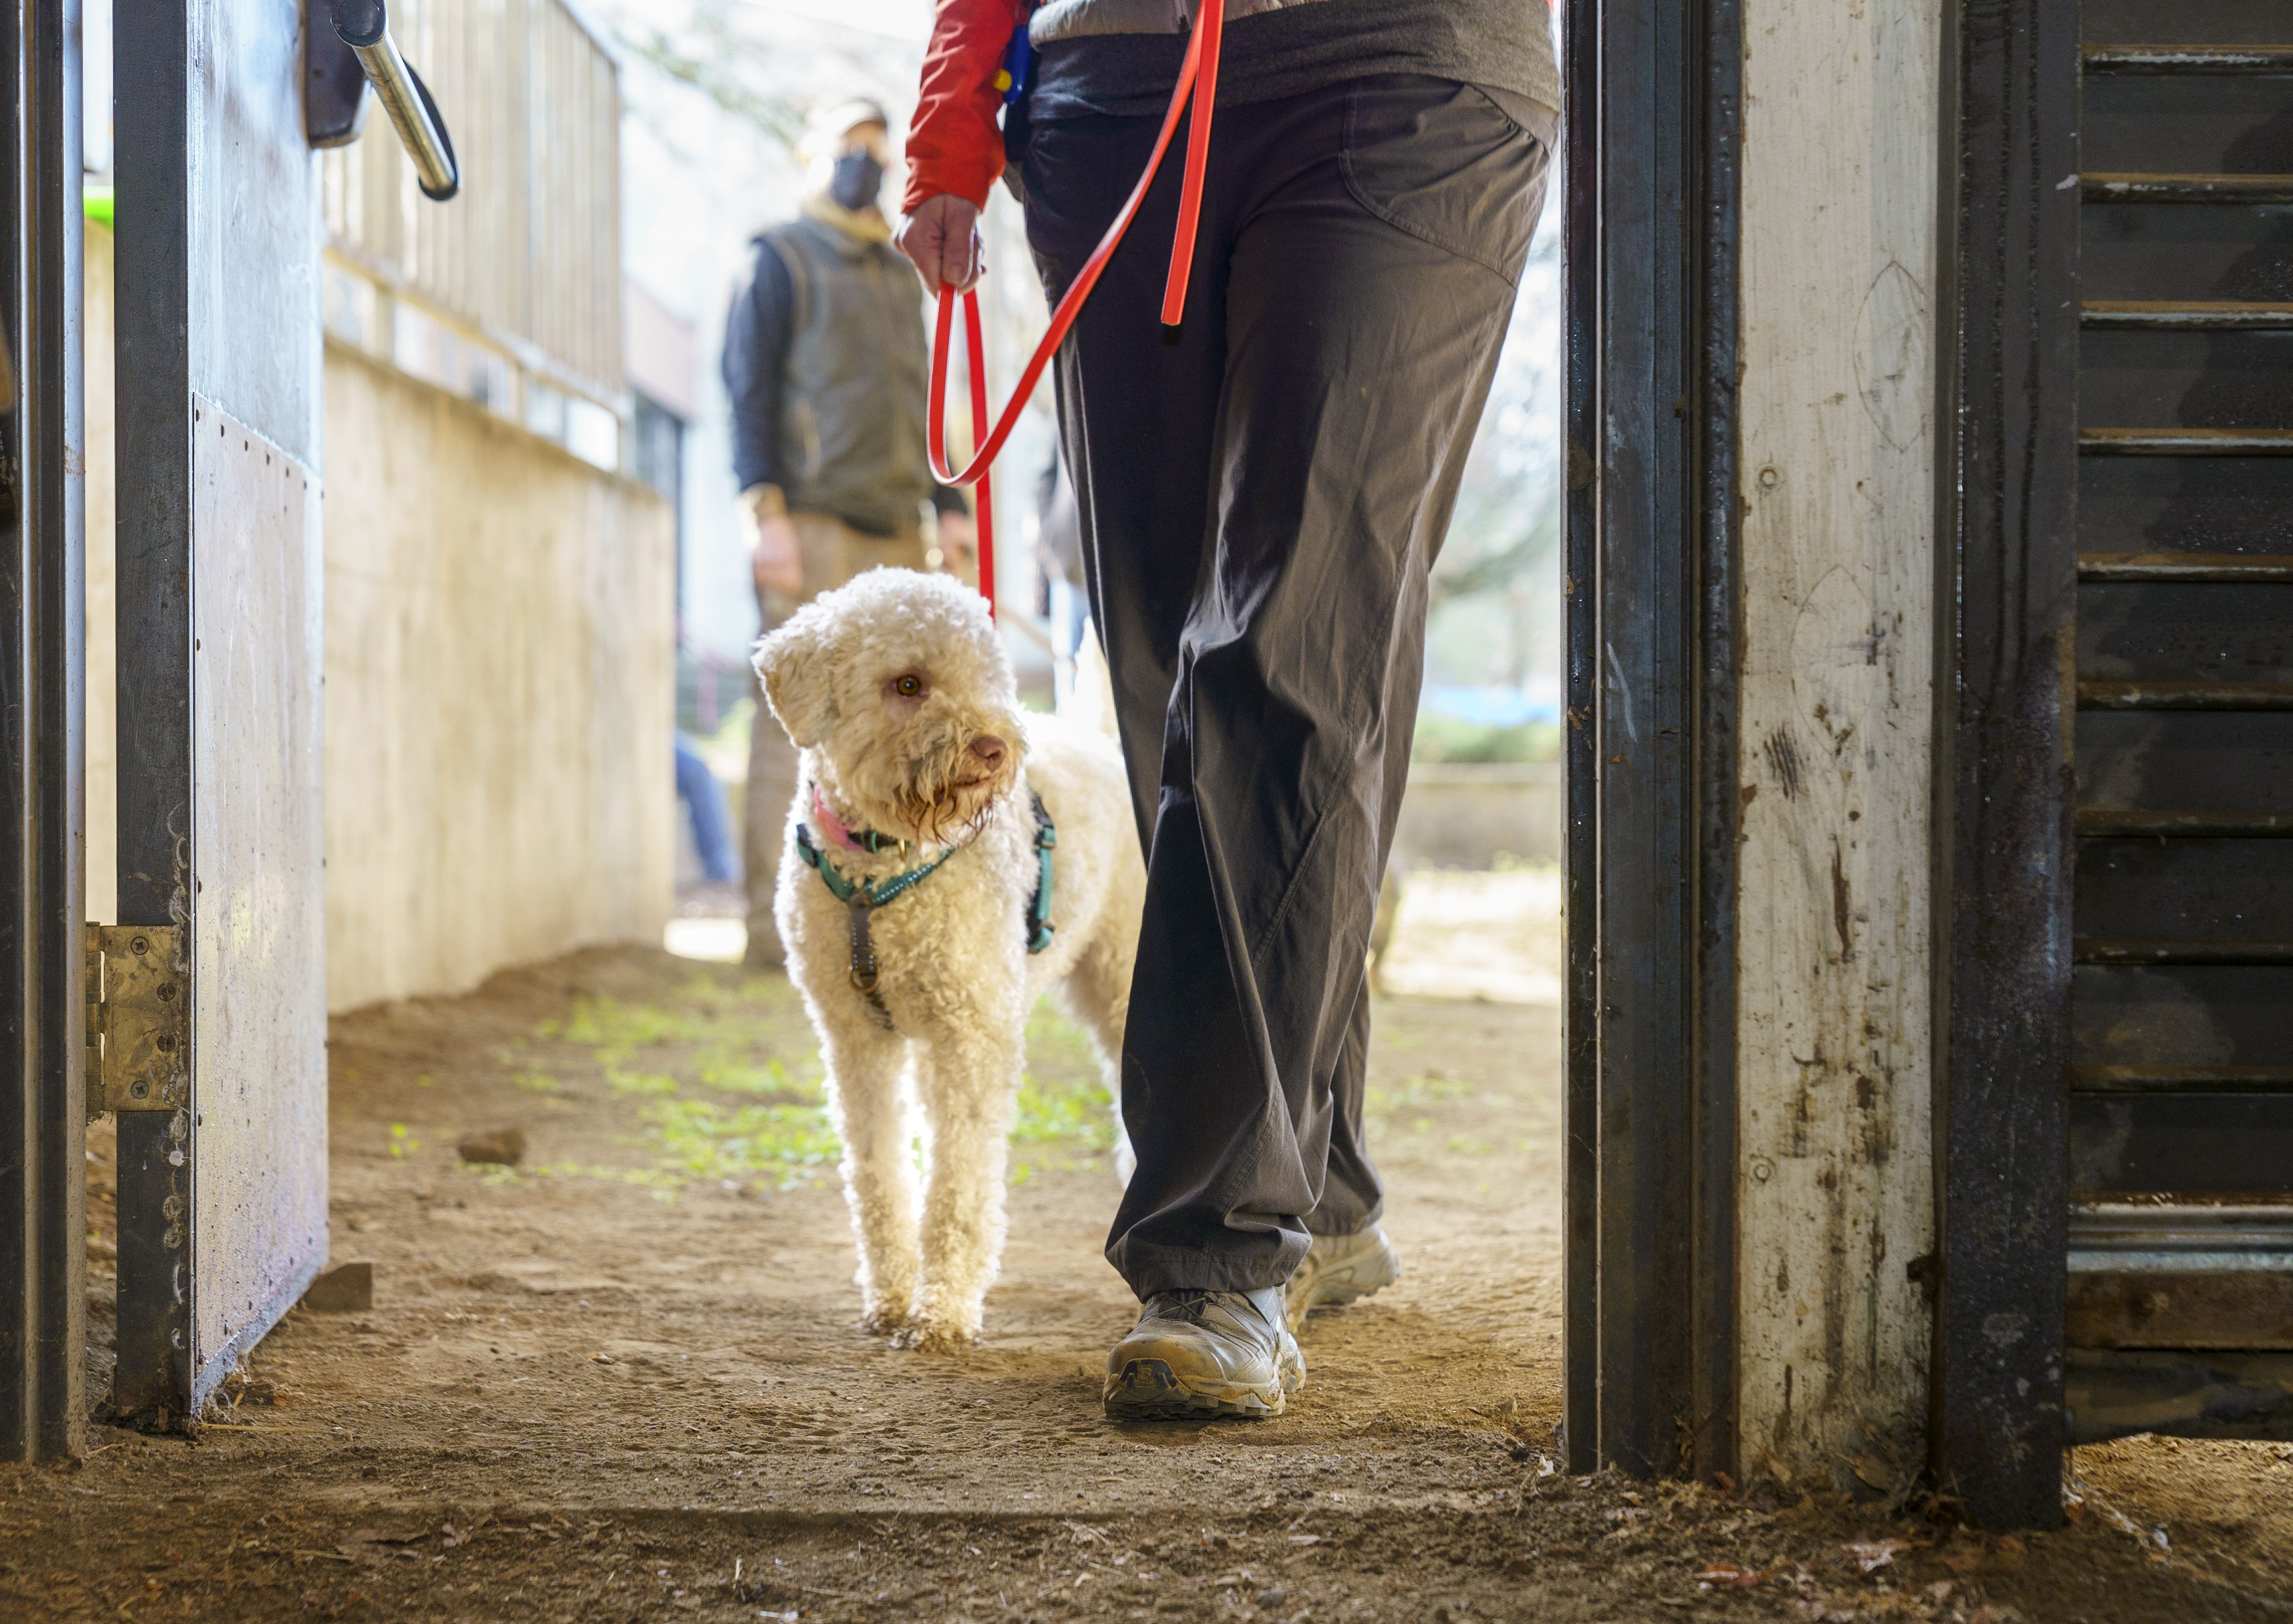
139,1049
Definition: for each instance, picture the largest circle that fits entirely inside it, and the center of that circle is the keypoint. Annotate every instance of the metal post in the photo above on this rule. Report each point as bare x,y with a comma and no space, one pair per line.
152,1379
2005,595
43,1120
1654,121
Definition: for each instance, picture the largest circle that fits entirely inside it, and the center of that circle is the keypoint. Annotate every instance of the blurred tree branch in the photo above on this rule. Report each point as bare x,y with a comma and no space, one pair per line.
711,60
1462,577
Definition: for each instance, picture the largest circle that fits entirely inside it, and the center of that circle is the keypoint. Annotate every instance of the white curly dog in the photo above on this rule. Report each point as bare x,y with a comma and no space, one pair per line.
909,896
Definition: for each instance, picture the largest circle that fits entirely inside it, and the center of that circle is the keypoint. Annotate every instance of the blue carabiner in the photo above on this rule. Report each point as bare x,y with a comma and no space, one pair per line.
1018,62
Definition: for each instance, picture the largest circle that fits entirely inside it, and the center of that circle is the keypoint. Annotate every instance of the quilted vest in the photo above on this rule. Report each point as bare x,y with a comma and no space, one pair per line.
852,433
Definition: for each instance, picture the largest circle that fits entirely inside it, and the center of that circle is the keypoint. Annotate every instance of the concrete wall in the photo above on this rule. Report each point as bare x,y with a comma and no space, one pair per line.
1475,814
499,703
500,663
1835,1204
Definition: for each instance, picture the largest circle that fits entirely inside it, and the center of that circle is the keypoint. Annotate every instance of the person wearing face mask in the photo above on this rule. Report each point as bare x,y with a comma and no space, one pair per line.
825,361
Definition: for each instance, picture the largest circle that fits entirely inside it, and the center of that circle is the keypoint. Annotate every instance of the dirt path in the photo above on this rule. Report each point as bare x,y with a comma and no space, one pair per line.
621,1382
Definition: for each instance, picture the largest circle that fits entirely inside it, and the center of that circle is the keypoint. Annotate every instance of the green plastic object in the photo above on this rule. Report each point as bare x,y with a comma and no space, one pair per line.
96,203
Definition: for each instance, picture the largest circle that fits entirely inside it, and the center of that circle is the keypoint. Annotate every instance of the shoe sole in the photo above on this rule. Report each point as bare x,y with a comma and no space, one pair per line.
1146,1389
1149,1390
1344,1282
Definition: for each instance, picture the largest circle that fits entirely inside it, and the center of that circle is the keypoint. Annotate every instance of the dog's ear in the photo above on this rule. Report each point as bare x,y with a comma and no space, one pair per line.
794,666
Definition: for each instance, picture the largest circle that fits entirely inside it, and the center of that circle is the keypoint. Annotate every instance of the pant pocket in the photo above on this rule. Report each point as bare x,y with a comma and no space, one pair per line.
1443,162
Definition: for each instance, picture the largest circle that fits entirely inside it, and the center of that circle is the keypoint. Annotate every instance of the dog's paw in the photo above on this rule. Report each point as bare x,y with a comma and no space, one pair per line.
936,1336
885,1322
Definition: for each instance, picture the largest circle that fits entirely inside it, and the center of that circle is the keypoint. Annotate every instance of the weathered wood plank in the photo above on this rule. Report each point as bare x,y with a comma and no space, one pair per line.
1835,1203
533,253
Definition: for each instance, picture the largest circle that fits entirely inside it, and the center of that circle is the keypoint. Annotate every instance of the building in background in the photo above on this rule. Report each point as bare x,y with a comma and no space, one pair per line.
659,352
498,588
663,359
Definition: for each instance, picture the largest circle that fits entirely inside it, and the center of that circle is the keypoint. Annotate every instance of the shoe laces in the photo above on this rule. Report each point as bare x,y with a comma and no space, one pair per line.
1190,1304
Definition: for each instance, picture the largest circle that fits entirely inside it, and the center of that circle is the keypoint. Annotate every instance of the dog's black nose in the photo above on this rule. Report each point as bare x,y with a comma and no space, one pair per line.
989,748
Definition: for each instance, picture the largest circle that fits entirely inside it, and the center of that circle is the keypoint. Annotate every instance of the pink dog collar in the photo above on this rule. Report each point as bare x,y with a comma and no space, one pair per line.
835,828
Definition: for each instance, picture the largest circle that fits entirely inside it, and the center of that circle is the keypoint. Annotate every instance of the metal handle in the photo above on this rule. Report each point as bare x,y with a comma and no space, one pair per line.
364,25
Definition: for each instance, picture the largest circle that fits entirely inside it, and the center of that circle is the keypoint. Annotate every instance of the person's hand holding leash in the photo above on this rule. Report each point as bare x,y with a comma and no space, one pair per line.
958,547
941,237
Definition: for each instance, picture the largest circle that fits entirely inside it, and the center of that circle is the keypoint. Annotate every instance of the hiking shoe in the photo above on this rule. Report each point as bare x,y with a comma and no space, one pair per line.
1338,1270
1205,1354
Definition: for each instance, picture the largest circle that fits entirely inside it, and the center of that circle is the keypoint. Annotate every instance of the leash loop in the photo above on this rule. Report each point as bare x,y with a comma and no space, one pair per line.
1198,79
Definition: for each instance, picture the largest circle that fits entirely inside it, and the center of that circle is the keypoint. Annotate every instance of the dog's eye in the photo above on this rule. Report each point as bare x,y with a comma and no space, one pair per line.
907,687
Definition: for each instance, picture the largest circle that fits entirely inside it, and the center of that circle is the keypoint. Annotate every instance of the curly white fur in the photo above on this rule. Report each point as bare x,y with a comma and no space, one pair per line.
888,686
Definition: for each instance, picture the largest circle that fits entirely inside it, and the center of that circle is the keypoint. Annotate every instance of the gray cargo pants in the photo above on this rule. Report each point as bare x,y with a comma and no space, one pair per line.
1261,500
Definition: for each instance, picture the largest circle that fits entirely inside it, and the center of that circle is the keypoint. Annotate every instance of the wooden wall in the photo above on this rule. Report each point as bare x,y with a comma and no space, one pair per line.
1835,1204
529,255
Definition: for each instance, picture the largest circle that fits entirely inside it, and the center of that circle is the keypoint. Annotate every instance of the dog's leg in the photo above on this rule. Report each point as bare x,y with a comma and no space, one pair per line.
969,1085
868,1105
1096,992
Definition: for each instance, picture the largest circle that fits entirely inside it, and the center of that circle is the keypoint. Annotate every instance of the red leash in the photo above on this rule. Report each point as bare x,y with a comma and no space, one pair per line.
1198,73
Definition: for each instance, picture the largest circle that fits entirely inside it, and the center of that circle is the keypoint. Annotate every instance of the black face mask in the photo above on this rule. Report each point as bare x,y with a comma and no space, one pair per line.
858,178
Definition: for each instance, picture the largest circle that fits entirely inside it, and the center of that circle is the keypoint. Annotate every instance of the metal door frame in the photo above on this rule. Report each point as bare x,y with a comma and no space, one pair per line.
2005,593
1650,546
43,623
152,1376
1651,549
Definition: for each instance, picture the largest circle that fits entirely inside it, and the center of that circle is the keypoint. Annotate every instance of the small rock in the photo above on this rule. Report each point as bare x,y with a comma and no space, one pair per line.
1869,1555
498,1146
348,1288
1273,1597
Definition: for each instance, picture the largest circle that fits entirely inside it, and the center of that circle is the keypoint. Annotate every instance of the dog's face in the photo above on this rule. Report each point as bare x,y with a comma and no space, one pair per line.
897,680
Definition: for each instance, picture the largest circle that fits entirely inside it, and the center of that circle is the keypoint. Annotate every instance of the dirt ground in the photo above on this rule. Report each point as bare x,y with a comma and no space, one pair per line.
622,1382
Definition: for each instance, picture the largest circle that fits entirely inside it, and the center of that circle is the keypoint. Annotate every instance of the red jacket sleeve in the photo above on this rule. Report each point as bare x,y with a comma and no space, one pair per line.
954,144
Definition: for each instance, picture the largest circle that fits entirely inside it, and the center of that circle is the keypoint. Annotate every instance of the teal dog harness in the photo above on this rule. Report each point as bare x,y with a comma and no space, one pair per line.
862,898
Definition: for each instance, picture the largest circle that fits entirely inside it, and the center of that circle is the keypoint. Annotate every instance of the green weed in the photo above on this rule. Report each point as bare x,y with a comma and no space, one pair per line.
1063,1110
1381,1102
731,1087
787,1144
